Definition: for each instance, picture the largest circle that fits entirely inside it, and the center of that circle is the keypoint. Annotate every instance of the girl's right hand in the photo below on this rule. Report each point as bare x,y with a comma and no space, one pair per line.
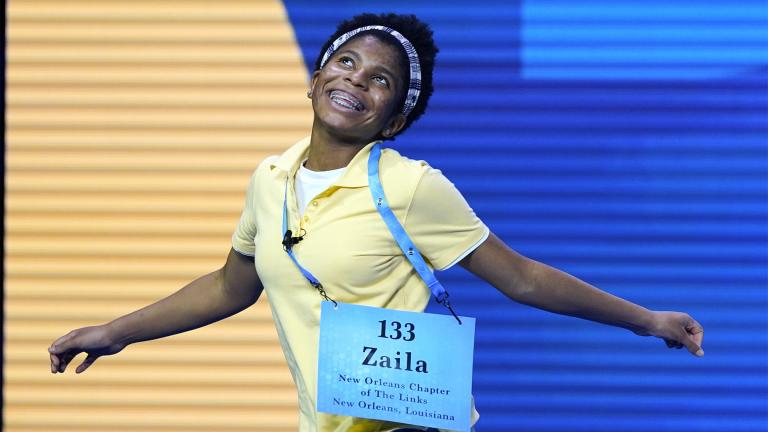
94,340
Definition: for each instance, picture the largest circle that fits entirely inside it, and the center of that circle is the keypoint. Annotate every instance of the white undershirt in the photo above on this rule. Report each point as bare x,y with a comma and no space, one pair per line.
310,183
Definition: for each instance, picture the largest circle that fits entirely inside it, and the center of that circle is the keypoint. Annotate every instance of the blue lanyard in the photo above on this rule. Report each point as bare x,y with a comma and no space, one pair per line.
398,232
289,241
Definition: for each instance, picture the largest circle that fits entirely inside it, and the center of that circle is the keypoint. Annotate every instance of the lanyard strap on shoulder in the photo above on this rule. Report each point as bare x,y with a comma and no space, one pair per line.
398,232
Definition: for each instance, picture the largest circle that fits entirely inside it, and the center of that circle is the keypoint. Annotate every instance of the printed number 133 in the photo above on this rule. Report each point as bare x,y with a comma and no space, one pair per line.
399,330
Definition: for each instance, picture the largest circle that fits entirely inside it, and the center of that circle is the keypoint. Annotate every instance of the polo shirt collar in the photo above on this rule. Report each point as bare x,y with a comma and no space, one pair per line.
356,174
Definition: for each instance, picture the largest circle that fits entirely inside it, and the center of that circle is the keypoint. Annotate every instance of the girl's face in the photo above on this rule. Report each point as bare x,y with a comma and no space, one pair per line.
356,95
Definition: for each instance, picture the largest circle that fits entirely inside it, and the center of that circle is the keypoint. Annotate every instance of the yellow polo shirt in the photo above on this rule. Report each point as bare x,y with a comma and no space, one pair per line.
349,249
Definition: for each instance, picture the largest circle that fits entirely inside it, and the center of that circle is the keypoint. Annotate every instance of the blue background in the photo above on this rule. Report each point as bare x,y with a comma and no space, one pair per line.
624,142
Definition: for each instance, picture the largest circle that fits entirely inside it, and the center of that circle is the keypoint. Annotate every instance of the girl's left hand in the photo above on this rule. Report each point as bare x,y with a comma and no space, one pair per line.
678,330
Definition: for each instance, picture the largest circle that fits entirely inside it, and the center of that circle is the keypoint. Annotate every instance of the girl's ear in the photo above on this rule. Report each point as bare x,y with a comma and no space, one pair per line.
312,83
394,126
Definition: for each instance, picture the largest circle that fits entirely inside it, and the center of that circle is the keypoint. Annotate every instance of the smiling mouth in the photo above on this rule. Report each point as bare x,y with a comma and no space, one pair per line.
346,100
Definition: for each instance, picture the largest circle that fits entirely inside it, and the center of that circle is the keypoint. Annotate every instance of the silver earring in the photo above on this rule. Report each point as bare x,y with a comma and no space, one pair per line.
309,94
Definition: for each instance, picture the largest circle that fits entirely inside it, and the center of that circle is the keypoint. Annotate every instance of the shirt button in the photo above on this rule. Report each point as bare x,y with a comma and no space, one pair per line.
306,218
314,203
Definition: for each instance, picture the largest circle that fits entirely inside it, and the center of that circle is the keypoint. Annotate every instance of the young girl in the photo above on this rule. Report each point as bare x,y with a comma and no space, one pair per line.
372,80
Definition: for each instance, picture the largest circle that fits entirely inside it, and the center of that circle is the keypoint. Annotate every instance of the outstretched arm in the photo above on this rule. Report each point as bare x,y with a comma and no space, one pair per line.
535,284
208,299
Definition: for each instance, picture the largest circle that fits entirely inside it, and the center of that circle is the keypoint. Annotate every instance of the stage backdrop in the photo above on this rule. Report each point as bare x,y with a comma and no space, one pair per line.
624,142
133,129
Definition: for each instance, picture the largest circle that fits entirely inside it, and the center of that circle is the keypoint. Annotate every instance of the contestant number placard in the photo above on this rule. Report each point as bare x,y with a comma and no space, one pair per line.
406,367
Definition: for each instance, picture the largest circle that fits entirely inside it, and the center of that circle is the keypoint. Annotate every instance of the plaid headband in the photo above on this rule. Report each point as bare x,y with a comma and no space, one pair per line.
414,86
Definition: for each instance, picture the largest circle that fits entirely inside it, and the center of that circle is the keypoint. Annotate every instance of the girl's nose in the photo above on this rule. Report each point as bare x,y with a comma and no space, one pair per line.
356,77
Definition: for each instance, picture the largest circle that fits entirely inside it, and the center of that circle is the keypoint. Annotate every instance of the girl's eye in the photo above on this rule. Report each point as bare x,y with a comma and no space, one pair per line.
381,80
346,61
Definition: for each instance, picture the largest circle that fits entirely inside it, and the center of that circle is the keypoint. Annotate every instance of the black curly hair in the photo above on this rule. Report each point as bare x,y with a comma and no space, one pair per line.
416,31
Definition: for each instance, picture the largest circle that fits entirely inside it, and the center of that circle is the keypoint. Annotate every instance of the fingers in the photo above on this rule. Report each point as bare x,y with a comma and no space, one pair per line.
62,344
59,363
693,347
694,336
684,331
690,336
86,363
696,331
62,351
693,327
65,359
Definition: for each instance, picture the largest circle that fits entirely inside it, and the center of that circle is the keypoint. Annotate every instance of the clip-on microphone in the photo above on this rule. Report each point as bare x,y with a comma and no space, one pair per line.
289,241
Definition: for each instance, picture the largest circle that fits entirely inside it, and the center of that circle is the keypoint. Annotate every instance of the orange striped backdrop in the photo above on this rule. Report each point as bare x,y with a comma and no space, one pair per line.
132,130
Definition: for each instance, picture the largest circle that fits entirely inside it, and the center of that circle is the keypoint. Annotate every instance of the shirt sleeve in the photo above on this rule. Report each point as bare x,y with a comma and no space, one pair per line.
441,223
245,233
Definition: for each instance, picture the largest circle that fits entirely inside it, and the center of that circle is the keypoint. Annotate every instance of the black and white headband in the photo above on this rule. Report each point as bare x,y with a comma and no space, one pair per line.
414,85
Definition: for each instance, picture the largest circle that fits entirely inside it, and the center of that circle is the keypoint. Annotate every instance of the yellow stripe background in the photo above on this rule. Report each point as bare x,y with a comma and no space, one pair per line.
132,129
